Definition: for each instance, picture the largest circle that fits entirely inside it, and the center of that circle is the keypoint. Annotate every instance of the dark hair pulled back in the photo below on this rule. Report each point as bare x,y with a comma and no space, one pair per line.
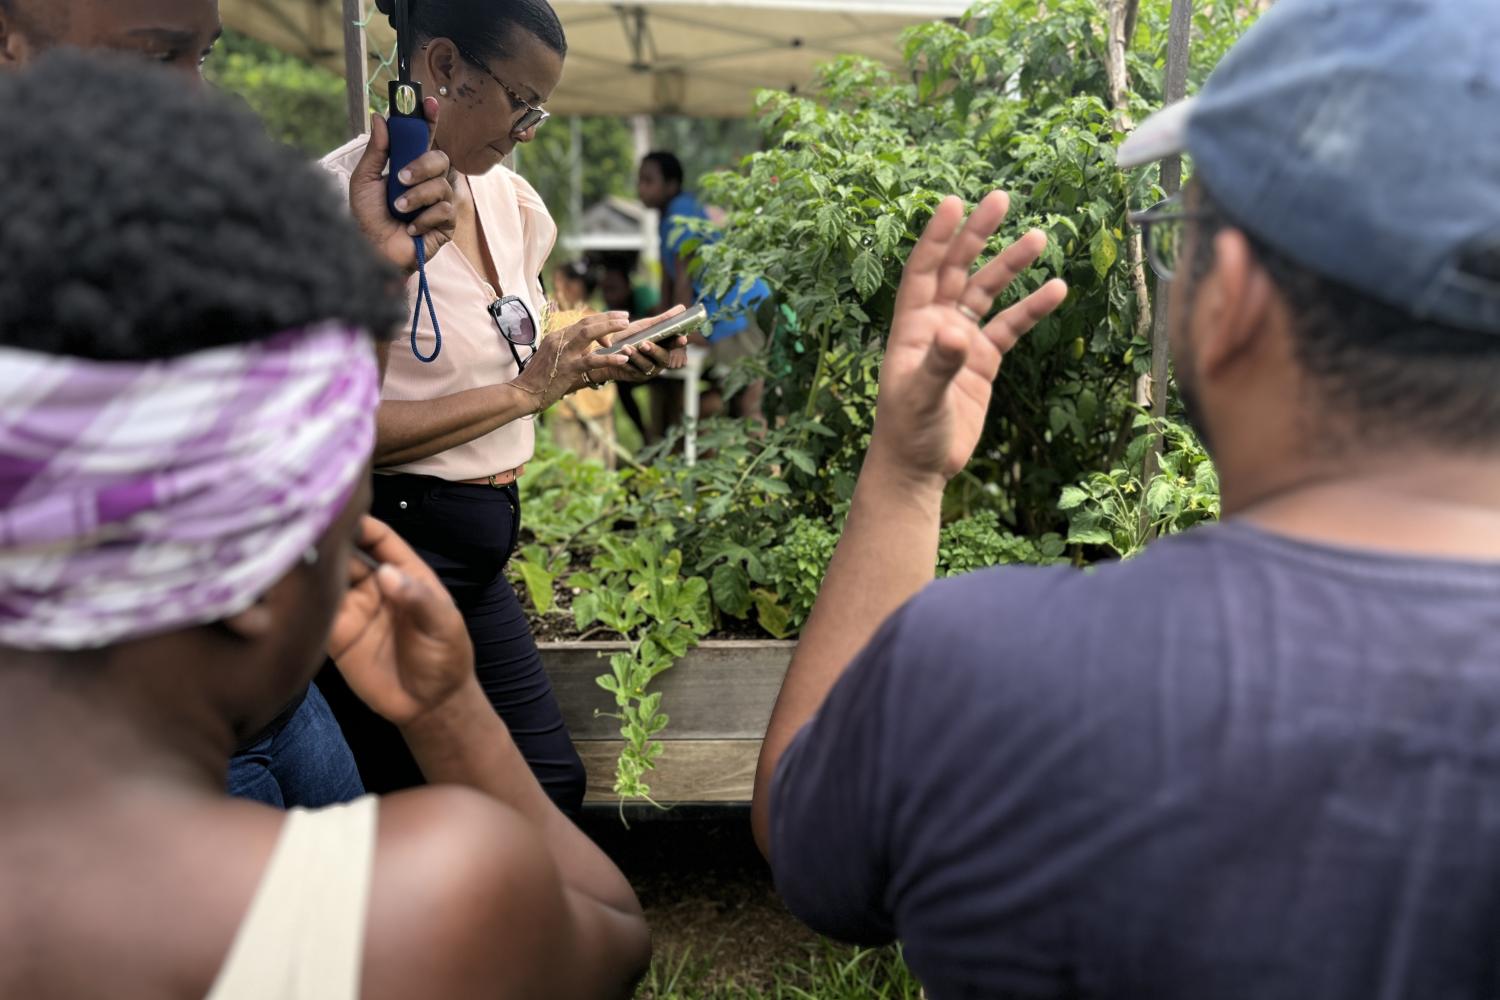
484,27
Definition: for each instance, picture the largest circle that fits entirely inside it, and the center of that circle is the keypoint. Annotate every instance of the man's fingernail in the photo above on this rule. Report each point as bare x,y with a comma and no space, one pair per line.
400,204
411,230
405,176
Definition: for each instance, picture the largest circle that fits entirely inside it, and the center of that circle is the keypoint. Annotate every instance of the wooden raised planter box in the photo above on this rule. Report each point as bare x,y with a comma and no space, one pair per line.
718,697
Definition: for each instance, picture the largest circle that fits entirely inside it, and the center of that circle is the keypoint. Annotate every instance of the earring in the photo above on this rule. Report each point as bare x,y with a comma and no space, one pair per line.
310,557
443,90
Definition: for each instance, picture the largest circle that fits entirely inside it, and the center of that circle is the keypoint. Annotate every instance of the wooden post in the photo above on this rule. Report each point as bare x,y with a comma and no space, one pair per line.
1174,89
356,68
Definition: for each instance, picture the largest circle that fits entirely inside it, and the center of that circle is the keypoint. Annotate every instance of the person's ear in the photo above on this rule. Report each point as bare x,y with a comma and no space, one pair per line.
15,50
1234,301
442,64
262,620
254,623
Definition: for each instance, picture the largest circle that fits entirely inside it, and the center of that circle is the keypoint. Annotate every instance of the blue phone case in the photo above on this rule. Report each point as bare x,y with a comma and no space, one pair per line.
410,136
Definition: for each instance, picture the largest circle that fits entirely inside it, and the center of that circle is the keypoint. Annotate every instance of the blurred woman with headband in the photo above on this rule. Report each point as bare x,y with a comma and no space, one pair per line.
187,407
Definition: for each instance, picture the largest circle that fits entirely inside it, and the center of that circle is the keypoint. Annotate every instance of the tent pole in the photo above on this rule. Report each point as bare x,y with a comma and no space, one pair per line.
575,170
642,132
356,66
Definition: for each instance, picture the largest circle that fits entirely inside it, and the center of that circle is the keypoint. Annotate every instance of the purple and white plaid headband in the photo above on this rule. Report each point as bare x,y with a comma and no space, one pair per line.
138,498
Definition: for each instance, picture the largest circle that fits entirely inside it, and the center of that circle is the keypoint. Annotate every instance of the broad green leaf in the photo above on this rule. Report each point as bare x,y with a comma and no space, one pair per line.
801,460
731,590
868,274
1090,536
1072,497
585,610
538,585
1103,252
773,617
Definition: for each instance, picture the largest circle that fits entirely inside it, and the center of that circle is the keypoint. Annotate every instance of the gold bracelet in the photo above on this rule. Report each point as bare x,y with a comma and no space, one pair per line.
533,394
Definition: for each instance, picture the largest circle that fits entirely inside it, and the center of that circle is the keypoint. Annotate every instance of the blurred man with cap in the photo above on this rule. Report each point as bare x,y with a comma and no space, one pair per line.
1262,760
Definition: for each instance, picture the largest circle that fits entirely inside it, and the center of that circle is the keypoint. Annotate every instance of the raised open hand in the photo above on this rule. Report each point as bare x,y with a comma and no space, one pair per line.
942,360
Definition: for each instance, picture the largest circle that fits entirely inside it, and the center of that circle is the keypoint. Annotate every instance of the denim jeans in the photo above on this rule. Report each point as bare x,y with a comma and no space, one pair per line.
303,761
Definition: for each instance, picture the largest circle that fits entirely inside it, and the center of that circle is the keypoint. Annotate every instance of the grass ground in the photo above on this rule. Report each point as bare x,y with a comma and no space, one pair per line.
828,972
719,930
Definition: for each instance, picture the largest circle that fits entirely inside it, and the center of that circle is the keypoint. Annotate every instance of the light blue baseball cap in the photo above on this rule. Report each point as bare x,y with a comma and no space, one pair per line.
1360,138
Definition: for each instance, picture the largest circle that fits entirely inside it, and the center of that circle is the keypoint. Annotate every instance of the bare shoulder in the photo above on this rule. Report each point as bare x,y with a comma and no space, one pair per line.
465,900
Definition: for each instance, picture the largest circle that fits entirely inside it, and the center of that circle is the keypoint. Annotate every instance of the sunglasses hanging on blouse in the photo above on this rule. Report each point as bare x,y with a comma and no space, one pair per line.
517,324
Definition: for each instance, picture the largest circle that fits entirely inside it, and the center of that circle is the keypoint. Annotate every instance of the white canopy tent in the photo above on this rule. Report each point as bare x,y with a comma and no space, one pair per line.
689,57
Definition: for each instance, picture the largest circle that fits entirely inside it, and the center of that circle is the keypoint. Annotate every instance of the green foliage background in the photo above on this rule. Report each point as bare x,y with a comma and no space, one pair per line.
301,105
828,212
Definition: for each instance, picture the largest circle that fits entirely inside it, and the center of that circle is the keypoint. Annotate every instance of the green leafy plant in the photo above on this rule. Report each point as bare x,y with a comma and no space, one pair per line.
636,589
972,544
1116,511
1014,97
302,105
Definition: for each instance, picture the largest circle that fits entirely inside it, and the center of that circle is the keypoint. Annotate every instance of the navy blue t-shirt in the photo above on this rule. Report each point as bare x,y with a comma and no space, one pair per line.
1238,766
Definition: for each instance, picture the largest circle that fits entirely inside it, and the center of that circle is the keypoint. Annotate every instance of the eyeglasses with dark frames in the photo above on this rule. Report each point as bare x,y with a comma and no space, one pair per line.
1163,225
517,324
534,115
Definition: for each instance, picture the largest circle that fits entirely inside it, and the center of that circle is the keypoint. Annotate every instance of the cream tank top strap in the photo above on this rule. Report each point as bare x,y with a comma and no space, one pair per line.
303,936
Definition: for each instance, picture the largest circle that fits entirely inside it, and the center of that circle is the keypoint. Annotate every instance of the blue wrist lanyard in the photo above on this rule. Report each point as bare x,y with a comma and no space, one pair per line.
423,292
410,138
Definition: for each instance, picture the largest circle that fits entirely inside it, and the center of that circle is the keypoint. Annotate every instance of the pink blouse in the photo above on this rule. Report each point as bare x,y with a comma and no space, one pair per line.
519,233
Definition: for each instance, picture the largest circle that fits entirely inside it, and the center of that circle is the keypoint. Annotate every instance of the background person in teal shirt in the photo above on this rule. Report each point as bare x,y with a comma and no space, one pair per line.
732,332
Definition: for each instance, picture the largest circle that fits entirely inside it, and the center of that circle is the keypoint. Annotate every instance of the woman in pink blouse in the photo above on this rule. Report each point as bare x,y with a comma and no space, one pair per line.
456,424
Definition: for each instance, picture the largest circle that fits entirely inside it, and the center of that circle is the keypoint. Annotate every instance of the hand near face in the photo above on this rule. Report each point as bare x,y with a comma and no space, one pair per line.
398,638
430,194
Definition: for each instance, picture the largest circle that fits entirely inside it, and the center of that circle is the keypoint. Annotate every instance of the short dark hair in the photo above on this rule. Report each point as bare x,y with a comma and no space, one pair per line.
130,236
669,165
1398,376
483,27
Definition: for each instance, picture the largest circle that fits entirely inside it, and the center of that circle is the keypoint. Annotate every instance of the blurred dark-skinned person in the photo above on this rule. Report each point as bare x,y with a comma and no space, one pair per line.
300,758
188,394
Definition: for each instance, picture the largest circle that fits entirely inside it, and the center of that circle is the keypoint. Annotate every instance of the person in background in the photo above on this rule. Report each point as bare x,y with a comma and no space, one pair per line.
300,758
456,425
620,289
621,293
187,406
1257,761
573,286
732,333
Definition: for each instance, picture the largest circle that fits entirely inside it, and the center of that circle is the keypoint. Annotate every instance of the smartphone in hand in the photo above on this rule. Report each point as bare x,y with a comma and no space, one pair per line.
669,329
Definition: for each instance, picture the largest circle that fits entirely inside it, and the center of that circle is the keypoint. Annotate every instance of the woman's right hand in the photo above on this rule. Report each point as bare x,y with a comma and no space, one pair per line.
564,358
398,638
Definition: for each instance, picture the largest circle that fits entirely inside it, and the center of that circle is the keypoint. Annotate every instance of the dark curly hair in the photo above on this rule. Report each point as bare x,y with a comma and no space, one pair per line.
483,27
146,219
